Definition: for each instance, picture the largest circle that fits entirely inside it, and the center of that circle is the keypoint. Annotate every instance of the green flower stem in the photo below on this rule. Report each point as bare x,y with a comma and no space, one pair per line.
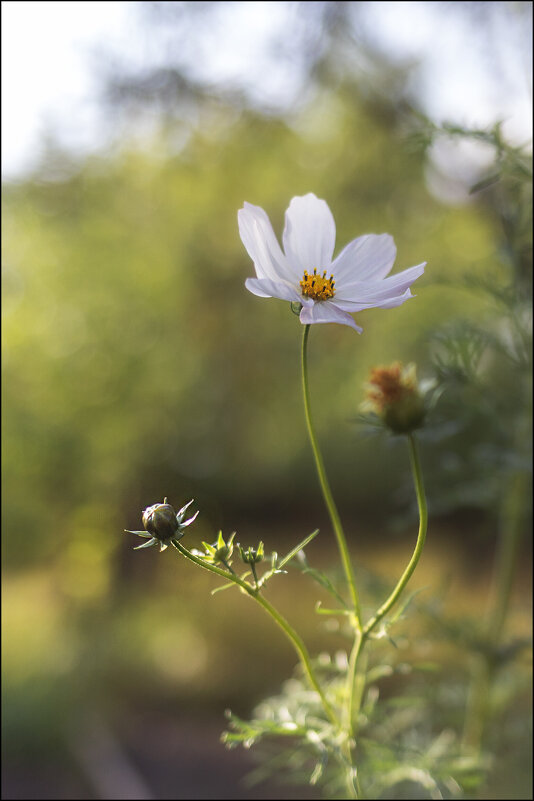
351,777
253,566
290,633
302,652
230,568
423,521
325,487
212,568
355,686
355,682
358,659
476,712
512,527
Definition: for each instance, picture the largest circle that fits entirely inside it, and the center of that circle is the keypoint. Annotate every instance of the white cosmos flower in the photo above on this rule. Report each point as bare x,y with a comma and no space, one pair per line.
328,290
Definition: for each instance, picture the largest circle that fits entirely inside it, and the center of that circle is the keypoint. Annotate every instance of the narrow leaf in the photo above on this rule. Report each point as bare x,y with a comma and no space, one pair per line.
320,578
224,587
298,548
230,584
402,608
320,611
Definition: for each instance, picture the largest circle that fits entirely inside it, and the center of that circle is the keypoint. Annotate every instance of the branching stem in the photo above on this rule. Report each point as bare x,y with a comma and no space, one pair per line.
288,630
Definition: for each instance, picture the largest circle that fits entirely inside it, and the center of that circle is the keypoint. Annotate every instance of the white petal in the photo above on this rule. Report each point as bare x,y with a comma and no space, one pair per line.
262,246
325,312
387,287
309,234
366,258
265,288
386,302
393,302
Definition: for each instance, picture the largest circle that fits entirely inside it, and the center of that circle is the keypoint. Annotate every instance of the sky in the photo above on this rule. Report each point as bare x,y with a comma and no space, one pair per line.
46,72
51,67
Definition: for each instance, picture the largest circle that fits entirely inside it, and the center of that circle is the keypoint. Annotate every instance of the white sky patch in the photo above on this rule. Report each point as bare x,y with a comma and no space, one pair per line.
235,50
463,81
46,73
50,73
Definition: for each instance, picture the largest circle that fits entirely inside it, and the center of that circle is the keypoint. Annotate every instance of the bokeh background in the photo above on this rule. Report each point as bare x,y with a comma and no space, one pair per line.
136,365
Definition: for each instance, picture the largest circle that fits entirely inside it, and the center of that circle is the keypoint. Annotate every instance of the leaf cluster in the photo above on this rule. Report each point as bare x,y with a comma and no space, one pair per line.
401,750
483,367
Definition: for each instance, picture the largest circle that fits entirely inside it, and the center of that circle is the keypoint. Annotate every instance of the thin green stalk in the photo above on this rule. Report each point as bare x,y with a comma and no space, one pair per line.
290,633
253,567
476,711
351,778
302,651
229,567
355,678
357,659
355,686
423,521
359,686
325,487
356,673
512,526
212,568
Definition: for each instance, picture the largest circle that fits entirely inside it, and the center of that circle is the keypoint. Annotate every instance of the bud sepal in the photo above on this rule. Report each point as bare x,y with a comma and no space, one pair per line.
251,555
220,552
163,525
395,398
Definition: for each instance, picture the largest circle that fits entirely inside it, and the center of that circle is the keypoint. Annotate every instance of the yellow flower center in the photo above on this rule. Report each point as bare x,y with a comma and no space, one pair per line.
317,287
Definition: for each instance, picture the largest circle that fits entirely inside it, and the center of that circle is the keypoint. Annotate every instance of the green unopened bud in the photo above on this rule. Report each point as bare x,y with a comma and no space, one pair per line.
252,555
163,524
220,551
393,394
160,521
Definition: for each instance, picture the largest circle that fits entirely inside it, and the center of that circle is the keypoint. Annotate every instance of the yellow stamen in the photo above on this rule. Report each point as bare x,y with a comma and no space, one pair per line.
317,287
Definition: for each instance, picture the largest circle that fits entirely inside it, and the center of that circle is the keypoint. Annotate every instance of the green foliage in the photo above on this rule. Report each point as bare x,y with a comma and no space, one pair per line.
132,350
135,363
406,743
484,367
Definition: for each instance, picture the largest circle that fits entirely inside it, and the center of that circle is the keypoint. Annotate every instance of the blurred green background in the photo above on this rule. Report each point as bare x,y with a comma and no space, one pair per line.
136,365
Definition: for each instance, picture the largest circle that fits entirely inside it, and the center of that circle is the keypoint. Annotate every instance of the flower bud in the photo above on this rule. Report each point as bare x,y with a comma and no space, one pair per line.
394,396
252,555
163,524
220,551
160,520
